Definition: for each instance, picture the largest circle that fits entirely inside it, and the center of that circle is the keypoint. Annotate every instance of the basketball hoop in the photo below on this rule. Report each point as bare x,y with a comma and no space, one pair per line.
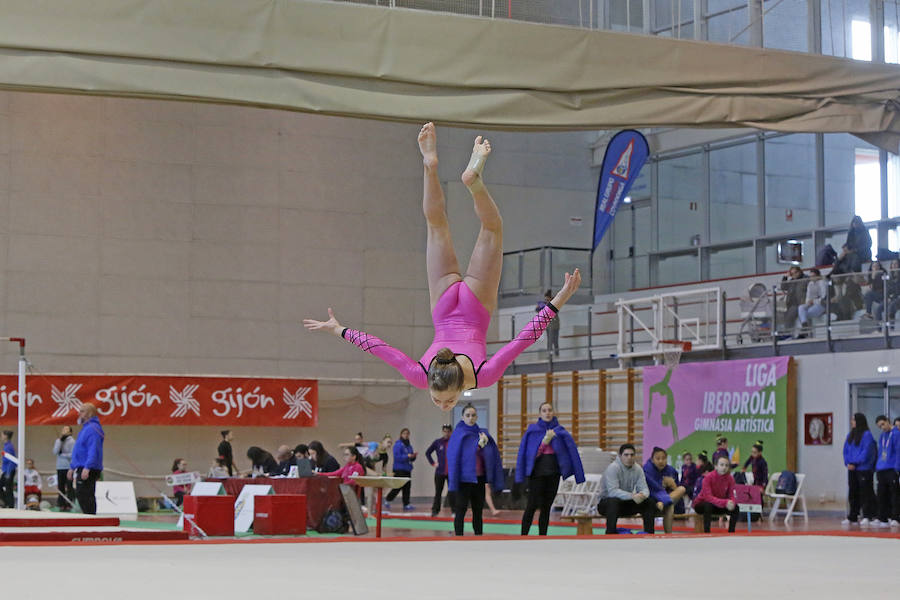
672,351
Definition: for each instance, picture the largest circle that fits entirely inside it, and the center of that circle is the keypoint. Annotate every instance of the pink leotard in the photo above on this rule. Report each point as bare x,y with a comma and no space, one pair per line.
460,323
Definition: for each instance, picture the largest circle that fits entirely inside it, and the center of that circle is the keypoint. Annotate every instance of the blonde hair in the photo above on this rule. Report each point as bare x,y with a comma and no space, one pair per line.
445,372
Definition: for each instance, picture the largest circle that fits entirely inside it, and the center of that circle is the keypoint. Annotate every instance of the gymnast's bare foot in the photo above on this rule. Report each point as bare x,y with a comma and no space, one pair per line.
428,145
472,175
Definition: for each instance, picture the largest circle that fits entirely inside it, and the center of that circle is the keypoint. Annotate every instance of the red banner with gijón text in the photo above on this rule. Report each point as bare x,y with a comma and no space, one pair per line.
163,400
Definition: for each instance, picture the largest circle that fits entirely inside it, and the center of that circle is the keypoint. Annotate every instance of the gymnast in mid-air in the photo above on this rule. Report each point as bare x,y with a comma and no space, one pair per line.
461,305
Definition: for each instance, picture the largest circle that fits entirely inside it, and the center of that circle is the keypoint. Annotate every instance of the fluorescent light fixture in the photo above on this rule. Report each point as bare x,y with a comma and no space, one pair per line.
883,369
627,200
467,394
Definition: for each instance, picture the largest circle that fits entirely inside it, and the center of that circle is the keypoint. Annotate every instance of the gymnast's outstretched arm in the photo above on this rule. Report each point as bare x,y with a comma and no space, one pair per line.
411,370
494,368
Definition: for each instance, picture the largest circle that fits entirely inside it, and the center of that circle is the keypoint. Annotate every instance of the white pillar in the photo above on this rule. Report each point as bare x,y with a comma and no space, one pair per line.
23,400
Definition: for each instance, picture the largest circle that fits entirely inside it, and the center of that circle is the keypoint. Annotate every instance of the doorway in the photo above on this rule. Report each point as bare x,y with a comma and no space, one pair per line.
483,406
875,398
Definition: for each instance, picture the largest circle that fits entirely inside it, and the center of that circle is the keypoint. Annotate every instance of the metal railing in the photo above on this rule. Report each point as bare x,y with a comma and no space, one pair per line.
533,271
856,306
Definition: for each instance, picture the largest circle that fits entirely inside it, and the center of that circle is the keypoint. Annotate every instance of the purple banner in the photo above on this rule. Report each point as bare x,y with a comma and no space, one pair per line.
685,409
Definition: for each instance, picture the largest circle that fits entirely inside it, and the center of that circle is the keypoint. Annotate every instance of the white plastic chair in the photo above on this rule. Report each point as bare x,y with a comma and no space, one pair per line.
789,510
562,492
584,497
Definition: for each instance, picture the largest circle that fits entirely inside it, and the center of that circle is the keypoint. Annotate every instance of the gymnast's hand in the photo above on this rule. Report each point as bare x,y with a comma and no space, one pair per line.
330,326
573,282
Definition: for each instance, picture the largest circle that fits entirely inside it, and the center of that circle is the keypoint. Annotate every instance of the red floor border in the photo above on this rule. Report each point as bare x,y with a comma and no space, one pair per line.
467,538
61,522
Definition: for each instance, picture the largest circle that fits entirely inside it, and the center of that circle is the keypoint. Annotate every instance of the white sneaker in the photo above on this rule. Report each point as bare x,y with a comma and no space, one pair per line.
865,523
894,523
877,523
847,523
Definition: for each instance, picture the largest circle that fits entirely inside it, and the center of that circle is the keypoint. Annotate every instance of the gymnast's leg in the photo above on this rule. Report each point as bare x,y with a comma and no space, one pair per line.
483,274
440,256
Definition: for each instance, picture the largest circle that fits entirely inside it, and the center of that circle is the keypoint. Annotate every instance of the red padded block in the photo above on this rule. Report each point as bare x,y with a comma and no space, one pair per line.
213,514
283,514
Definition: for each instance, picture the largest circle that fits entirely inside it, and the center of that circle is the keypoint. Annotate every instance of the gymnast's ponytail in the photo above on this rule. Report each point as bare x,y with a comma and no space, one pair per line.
445,372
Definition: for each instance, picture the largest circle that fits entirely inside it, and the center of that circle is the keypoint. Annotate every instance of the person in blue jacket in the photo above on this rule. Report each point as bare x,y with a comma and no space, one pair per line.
546,452
404,455
895,522
859,458
439,448
886,473
8,477
473,460
87,458
662,479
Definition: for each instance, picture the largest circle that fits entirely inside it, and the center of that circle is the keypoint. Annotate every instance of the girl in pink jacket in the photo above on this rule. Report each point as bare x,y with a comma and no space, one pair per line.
352,466
716,497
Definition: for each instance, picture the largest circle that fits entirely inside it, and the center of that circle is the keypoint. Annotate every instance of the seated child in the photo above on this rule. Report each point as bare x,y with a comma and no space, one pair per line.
717,496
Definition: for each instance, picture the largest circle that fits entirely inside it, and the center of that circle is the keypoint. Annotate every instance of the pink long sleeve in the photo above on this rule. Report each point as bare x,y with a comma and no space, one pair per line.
411,370
346,473
496,365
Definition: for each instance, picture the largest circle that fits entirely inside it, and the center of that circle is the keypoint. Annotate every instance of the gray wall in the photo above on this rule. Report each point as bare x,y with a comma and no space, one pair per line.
162,237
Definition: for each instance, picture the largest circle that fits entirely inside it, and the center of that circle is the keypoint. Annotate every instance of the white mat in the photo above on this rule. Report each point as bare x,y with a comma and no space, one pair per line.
729,568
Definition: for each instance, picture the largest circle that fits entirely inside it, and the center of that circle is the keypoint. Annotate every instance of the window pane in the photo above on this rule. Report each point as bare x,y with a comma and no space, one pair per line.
870,402
732,262
790,183
624,15
732,193
679,200
784,27
566,261
678,269
531,271
509,276
893,177
867,184
642,230
724,28
847,187
674,19
861,40
893,402
891,26
837,26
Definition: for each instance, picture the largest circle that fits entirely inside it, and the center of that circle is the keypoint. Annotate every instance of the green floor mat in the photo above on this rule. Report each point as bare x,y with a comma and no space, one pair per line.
489,528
